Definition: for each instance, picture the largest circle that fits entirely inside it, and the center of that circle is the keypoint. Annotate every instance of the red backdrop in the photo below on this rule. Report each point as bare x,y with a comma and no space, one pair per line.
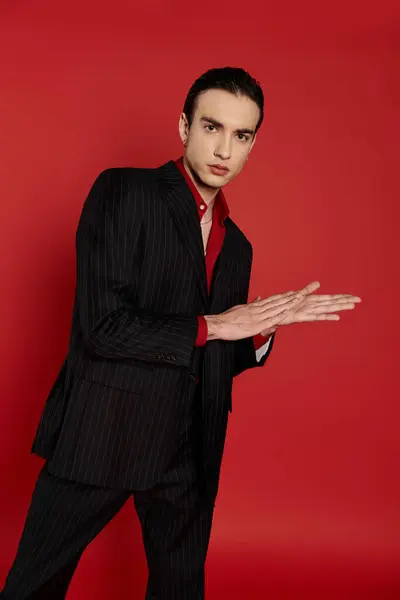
89,85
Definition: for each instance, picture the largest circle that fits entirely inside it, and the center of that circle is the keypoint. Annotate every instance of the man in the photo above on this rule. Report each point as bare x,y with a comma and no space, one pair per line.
160,327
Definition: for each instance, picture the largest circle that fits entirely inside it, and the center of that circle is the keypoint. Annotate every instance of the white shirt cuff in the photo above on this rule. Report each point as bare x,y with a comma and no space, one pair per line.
262,350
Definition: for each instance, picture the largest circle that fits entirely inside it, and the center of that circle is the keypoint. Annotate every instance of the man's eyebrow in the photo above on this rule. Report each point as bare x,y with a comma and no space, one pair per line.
218,124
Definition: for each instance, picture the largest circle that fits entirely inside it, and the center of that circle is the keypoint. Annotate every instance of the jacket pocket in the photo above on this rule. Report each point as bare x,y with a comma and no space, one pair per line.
129,376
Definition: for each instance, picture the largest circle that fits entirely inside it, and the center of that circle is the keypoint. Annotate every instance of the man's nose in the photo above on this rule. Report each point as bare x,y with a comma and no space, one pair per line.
223,149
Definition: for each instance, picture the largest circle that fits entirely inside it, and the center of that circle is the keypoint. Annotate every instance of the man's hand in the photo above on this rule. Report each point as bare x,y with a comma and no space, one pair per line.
316,307
245,320
264,315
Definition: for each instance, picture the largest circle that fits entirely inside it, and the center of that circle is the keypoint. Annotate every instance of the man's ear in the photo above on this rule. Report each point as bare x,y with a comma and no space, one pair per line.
183,128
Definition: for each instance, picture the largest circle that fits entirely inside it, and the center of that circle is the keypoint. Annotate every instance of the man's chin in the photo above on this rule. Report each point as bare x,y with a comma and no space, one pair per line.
215,185
213,181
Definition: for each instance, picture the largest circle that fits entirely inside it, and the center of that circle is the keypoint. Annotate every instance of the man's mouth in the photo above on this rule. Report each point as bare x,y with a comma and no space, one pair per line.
219,169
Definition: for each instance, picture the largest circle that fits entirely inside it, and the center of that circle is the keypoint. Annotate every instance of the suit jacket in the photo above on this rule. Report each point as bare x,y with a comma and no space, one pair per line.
115,412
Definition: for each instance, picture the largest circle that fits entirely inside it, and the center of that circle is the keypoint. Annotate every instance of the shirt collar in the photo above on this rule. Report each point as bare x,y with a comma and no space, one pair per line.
220,204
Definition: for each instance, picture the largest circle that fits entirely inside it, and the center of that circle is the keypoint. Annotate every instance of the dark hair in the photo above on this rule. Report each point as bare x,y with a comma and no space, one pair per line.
232,79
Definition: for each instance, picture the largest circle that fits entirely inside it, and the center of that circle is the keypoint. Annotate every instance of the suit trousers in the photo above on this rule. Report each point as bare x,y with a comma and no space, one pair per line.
65,516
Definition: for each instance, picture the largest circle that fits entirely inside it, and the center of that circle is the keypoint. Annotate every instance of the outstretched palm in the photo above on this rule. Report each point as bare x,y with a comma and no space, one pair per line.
319,308
312,307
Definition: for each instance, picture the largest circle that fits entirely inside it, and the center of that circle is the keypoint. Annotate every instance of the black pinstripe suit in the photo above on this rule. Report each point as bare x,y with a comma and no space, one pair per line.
125,413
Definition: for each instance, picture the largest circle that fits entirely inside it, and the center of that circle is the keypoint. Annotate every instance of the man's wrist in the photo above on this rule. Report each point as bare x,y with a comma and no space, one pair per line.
213,327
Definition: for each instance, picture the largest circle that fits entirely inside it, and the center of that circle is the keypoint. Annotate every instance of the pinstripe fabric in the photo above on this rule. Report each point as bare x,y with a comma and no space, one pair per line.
65,516
115,410
62,519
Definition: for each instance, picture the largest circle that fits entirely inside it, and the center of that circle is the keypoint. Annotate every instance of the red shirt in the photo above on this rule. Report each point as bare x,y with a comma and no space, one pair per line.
214,245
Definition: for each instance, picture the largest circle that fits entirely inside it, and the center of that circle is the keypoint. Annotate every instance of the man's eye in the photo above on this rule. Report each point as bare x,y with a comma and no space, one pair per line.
210,126
244,137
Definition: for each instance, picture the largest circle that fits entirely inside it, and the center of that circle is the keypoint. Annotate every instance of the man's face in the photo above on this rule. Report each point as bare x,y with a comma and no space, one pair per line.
222,133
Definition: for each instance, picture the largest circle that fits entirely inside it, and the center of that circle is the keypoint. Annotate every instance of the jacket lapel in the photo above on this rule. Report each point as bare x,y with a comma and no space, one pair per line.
226,261
182,207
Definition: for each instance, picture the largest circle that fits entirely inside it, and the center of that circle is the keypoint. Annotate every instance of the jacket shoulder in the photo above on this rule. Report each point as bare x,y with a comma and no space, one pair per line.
127,175
120,185
117,189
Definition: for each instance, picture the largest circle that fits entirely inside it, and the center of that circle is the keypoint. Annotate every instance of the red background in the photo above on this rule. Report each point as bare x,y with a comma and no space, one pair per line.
86,86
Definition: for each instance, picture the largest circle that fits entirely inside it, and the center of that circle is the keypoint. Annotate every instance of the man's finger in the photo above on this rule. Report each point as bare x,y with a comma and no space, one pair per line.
315,317
339,297
310,287
270,299
275,296
269,321
316,301
329,308
281,305
285,302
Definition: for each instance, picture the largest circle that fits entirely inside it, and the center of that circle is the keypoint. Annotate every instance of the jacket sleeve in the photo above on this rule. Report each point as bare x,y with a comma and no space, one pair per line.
245,350
108,250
